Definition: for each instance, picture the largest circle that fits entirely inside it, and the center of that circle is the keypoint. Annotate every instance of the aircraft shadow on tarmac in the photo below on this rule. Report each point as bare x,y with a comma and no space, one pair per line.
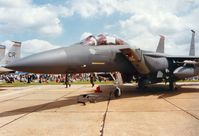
128,91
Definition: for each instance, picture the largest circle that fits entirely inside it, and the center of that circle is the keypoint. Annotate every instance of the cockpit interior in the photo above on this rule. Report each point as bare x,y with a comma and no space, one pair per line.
102,40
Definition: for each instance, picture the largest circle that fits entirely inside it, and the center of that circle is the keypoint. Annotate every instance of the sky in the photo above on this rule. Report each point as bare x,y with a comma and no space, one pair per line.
46,24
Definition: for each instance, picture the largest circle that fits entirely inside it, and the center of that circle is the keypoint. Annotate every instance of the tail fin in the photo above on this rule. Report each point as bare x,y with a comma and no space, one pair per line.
2,51
192,46
13,54
160,48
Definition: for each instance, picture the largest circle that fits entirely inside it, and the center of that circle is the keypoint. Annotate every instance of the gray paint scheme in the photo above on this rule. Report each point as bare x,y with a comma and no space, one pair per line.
132,63
185,72
2,51
12,54
2,47
160,47
74,59
156,63
192,46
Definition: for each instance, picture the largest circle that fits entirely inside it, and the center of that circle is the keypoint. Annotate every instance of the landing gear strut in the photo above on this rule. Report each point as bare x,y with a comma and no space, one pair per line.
172,85
117,92
141,84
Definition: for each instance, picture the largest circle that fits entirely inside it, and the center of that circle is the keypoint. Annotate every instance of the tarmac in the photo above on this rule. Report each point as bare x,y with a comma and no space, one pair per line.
53,110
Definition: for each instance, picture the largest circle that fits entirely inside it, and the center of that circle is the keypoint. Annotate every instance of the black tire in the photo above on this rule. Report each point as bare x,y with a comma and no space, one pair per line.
117,92
172,86
141,86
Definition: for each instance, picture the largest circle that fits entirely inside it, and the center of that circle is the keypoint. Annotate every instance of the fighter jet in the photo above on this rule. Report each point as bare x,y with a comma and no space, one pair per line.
12,54
105,53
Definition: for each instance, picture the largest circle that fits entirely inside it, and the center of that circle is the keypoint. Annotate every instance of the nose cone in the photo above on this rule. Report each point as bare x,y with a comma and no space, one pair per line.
49,62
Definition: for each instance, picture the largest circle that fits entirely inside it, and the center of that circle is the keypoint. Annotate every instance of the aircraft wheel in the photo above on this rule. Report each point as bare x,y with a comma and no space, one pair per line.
117,92
141,85
172,86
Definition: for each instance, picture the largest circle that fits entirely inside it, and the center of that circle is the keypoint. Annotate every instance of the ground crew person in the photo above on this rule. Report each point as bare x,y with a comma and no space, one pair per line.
67,81
92,79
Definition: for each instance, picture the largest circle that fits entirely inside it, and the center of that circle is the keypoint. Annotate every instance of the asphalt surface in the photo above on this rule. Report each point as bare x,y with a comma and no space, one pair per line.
52,110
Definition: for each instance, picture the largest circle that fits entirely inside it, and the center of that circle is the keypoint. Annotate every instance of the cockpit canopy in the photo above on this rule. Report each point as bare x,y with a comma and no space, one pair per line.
102,40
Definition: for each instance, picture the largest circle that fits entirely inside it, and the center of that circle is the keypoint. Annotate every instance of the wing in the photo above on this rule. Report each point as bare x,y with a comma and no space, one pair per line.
181,59
172,57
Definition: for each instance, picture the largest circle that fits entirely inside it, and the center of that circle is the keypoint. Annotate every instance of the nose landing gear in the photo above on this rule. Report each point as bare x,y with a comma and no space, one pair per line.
172,86
117,92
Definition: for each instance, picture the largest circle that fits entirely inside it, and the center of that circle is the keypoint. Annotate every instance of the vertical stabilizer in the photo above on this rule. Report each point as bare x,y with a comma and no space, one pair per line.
13,54
2,51
192,46
160,48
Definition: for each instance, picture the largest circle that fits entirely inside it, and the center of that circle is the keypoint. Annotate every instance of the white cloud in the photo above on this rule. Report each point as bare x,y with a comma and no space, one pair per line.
143,29
84,8
144,20
23,15
84,35
148,19
14,4
35,46
31,46
90,8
